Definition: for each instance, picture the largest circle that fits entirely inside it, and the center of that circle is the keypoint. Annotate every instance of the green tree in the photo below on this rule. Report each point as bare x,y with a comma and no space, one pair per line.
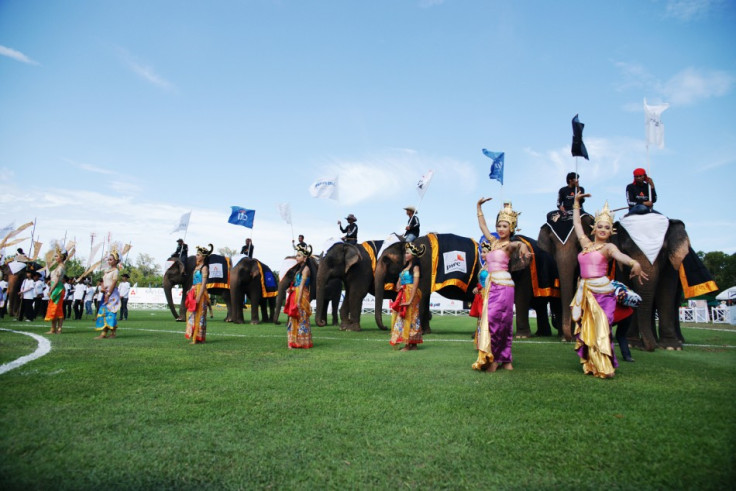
722,267
145,272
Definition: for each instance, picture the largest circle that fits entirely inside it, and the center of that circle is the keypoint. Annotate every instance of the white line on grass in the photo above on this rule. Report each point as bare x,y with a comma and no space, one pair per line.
44,346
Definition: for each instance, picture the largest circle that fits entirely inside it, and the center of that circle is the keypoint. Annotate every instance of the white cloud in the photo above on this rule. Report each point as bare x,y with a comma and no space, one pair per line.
690,86
16,55
686,87
691,9
144,71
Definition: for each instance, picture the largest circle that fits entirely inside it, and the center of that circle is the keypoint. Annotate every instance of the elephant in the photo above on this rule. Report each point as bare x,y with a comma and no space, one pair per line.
252,277
353,265
390,264
566,258
181,274
332,294
15,280
663,290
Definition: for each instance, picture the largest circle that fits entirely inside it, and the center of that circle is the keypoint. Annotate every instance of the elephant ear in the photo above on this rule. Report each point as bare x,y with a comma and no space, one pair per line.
352,256
676,243
255,272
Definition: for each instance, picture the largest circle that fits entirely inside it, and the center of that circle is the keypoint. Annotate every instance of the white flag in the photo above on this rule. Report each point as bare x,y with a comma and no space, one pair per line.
183,223
423,183
325,187
653,126
285,212
93,253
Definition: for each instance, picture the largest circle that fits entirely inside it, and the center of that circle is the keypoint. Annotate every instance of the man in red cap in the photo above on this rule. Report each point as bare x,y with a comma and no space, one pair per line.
637,193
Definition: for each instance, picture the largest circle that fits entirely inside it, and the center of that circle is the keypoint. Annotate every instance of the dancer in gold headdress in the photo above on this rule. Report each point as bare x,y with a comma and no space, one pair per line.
107,316
406,325
55,309
496,327
594,302
197,298
299,330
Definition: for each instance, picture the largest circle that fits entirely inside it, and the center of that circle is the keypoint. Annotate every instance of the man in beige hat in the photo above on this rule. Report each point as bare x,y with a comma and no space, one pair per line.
412,227
350,231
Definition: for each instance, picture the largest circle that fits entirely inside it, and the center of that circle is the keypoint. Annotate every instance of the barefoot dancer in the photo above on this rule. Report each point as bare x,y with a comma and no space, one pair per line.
497,328
197,318
298,328
55,309
594,302
406,326
107,316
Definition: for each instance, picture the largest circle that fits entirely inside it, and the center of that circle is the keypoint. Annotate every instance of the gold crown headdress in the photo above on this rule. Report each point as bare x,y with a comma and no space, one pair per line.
305,250
604,215
507,214
115,255
485,246
416,250
204,251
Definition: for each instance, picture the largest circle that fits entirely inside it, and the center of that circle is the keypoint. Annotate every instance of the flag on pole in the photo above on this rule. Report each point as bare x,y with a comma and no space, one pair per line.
497,164
324,187
578,147
183,223
242,216
653,126
423,183
285,212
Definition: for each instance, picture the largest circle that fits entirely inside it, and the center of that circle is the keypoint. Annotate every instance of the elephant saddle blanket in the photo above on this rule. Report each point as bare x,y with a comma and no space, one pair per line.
219,272
372,247
455,261
647,231
695,277
542,269
269,285
561,224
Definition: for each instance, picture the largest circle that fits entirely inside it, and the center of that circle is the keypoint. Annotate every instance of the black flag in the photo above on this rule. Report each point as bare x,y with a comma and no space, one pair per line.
578,147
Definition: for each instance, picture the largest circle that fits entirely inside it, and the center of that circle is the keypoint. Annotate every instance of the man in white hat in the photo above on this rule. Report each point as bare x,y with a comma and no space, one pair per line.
412,227
350,230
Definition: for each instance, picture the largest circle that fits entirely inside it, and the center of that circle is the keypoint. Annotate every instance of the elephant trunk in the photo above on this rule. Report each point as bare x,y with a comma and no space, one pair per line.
379,278
280,298
320,315
237,297
169,298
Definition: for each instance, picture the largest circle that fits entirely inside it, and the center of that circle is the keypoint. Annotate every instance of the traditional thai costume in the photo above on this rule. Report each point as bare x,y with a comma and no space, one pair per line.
496,329
55,308
406,326
107,315
592,310
197,319
298,328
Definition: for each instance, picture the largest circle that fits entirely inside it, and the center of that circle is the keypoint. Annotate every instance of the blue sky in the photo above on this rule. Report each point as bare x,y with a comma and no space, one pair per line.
118,117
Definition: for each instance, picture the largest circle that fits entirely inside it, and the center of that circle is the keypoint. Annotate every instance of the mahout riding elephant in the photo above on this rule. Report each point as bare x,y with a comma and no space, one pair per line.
675,264
253,278
563,245
181,274
353,265
332,294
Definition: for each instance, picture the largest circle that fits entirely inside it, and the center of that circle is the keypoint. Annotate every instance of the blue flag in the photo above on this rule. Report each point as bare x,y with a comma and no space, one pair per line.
242,216
496,166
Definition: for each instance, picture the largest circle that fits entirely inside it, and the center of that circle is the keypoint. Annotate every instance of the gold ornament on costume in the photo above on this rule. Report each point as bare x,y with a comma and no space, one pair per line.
305,250
414,250
507,214
204,251
604,215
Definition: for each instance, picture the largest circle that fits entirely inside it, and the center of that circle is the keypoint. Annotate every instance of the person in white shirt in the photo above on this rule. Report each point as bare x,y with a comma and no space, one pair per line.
88,297
39,307
68,297
27,294
3,298
124,291
79,291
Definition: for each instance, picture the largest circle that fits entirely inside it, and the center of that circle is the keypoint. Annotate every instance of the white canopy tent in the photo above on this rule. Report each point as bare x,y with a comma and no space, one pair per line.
727,294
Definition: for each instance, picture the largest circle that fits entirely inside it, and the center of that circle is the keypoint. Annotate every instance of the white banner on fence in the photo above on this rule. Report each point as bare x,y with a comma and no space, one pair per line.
140,295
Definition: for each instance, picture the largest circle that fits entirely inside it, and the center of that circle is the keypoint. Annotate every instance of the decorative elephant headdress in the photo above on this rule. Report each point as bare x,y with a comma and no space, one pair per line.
203,250
414,250
305,250
604,215
507,214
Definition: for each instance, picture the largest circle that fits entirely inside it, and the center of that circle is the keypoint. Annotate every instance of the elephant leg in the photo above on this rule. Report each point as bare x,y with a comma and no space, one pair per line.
425,315
255,304
354,308
522,301
540,307
666,301
345,312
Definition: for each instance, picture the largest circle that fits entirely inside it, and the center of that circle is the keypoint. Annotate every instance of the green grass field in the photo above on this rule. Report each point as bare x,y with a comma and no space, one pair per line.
149,411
